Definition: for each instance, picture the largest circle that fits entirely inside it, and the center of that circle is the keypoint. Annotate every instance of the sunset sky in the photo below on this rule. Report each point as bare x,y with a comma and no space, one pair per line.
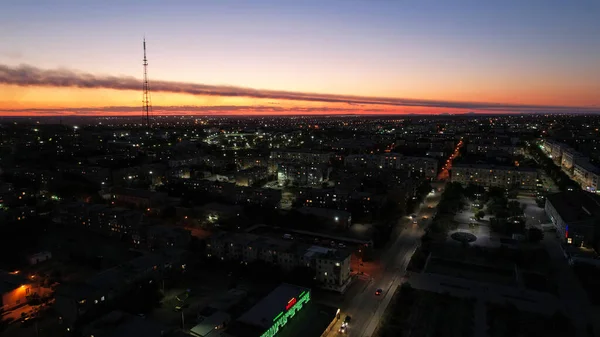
300,57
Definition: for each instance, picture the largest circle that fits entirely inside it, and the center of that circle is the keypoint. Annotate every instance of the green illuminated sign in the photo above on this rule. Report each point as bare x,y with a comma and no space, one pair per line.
281,319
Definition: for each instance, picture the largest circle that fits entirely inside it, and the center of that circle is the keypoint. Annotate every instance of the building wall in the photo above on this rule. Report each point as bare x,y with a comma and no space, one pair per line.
556,219
494,177
332,272
338,270
16,297
578,233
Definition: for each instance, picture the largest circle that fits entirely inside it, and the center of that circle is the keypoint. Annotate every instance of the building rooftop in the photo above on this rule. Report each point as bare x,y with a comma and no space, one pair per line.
574,206
208,324
10,281
586,165
266,310
137,193
121,324
325,212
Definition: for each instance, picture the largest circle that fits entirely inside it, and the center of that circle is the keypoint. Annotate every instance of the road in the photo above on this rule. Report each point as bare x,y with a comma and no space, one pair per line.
367,308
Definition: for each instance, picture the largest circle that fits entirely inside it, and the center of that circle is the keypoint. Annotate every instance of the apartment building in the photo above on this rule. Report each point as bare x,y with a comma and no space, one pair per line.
302,174
424,165
251,175
331,266
90,297
303,157
570,157
587,175
553,149
495,176
428,167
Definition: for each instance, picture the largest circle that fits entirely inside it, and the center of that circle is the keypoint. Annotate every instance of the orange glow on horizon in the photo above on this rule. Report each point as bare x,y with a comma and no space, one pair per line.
50,101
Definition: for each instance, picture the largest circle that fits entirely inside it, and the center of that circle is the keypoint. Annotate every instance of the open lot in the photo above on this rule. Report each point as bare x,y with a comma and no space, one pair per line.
509,321
526,265
421,313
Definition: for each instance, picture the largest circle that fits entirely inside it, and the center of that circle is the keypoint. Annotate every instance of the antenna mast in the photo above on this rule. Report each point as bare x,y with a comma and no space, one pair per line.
146,99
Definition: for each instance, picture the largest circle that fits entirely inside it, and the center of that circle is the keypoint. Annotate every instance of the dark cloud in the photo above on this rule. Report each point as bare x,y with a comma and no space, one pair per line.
26,75
190,109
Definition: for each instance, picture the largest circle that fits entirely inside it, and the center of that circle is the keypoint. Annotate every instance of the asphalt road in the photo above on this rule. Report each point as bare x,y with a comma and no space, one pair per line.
367,308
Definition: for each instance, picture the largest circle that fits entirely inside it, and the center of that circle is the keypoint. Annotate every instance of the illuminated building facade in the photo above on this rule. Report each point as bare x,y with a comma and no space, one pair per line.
495,176
14,290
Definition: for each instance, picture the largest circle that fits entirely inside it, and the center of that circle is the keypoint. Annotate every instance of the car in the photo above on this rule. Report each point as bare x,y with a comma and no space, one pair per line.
26,321
378,292
342,329
347,320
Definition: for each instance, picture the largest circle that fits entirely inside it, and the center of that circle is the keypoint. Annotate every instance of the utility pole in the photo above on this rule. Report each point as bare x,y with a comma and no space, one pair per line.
146,98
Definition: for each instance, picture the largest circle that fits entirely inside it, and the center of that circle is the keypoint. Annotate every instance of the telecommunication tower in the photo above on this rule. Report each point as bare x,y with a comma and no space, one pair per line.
146,99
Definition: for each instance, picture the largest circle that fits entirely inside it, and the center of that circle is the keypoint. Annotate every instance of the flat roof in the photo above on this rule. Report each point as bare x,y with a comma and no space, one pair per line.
573,206
121,324
309,322
586,165
207,324
10,281
263,313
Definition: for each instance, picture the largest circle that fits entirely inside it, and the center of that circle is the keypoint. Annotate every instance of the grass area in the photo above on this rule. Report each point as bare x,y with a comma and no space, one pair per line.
422,313
506,320
471,271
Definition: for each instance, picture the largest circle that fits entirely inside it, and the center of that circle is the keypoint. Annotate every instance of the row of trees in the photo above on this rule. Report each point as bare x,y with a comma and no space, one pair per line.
450,203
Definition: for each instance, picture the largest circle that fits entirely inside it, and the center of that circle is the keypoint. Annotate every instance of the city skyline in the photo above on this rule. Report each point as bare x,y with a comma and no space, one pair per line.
309,58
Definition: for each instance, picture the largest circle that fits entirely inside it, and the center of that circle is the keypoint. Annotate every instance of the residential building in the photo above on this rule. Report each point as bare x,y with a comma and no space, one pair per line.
334,216
302,157
587,175
88,298
250,176
302,174
122,324
570,157
14,290
576,217
495,176
286,254
139,197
